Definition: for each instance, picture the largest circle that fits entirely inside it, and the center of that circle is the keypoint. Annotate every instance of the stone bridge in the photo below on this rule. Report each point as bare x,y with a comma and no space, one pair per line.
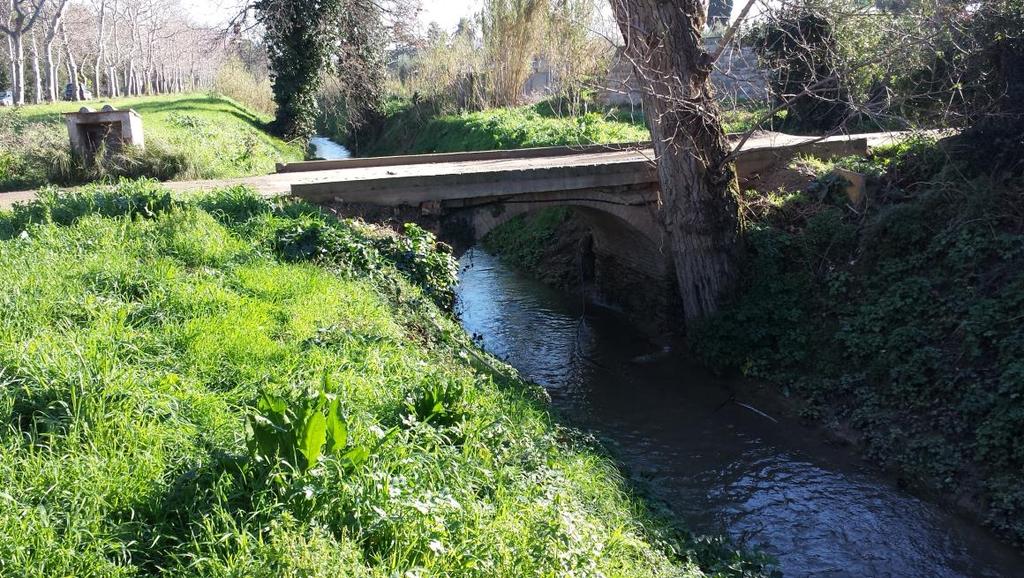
614,189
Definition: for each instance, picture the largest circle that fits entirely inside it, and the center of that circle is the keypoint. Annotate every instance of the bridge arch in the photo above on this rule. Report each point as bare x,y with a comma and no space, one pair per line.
624,259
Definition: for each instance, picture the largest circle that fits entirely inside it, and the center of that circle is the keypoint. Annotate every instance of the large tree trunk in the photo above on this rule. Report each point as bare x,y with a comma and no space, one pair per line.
698,184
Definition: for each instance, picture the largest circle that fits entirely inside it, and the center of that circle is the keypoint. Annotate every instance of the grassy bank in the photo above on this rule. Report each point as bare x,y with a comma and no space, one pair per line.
191,136
227,387
900,320
406,128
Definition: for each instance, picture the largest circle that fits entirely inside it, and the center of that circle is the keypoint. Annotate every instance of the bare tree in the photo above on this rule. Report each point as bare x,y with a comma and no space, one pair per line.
698,183
73,74
54,22
20,16
37,77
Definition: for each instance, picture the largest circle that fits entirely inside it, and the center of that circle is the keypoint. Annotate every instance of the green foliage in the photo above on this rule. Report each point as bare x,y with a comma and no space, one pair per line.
138,345
523,240
300,36
406,129
439,403
900,320
417,254
294,433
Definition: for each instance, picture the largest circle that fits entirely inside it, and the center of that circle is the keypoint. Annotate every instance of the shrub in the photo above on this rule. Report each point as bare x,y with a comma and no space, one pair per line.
236,82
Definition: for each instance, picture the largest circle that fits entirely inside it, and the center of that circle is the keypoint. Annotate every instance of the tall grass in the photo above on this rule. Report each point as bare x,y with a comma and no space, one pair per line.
140,332
512,30
236,82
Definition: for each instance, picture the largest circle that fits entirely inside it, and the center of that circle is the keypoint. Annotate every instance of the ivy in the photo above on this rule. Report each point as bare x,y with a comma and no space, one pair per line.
300,38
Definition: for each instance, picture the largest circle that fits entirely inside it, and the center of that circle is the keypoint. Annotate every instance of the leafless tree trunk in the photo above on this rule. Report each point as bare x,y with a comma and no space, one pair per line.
10,53
21,15
698,185
37,76
54,23
99,53
76,91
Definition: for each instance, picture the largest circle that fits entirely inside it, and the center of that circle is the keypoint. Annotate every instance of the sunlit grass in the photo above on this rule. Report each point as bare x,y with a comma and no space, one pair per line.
188,136
134,348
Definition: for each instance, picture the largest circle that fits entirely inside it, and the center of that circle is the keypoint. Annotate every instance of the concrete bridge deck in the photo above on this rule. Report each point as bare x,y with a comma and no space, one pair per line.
423,178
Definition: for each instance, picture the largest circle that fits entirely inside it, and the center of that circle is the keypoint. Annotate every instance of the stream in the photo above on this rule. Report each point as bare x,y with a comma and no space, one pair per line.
328,150
722,465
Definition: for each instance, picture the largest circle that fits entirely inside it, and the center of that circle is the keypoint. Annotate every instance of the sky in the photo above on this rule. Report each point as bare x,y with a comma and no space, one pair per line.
445,12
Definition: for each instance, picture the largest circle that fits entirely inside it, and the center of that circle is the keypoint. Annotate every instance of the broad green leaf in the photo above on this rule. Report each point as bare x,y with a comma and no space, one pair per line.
311,438
337,429
354,458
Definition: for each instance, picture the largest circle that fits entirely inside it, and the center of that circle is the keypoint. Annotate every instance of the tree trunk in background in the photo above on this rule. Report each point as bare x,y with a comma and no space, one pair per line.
55,23
76,93
52,70
37,96
19,69
14,66
698,185
97,92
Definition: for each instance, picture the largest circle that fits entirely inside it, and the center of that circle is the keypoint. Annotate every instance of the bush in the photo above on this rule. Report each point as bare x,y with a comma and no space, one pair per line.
236,82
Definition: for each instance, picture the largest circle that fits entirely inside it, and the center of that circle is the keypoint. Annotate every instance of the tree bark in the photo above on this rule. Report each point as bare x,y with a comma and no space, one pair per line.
698,184
76,92
37,75
55,23
19,69
13,64
97,92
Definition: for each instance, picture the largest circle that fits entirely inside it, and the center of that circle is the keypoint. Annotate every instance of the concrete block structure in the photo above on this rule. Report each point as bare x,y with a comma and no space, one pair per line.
90,129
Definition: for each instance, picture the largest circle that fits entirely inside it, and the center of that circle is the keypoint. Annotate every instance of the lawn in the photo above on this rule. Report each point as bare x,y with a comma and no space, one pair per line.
226,386
191,136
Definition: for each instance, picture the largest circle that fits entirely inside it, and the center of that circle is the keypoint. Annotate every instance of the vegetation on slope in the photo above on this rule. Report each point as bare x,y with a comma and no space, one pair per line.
223,386
192,136
901,319
406,127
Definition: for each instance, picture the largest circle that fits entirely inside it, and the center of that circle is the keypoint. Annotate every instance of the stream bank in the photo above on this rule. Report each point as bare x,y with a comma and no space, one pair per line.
711,450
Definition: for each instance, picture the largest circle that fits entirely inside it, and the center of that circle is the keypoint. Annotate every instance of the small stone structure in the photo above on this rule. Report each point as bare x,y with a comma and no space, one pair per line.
114,128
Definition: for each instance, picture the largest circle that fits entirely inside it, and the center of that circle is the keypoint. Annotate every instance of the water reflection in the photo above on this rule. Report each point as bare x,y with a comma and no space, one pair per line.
722,467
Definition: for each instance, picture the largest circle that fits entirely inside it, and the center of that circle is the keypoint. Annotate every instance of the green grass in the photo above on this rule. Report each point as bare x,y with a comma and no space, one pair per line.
523,240
138,333
409,129
190,136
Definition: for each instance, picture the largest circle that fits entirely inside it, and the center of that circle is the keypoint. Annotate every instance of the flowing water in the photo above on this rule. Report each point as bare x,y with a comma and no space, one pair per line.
328,150
722,465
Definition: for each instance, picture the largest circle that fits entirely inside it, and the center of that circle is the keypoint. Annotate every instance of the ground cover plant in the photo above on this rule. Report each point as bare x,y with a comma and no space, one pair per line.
225,386
899,319
190,136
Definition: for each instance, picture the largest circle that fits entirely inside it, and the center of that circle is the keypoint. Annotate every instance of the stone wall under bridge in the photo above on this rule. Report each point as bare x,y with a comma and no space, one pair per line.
624,261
